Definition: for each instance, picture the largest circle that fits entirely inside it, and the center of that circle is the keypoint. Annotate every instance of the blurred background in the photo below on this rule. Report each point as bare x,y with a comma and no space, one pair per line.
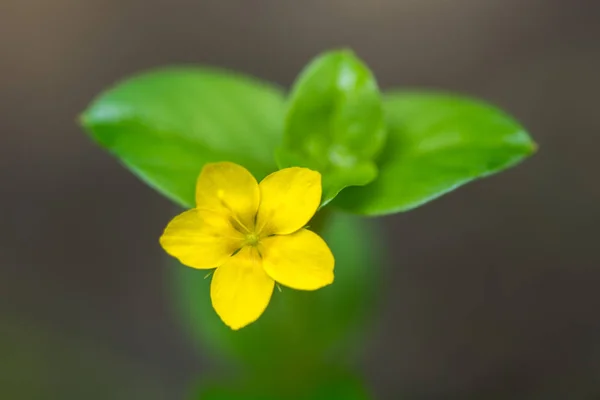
493,289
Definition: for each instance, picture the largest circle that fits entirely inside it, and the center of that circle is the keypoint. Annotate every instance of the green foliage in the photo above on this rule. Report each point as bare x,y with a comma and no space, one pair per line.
436,143
334,122
165,125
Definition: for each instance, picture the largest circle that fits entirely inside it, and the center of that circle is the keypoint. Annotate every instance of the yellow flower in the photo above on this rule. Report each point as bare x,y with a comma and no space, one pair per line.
254,234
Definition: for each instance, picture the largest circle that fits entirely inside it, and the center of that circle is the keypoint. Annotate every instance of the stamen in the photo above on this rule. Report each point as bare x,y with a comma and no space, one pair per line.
235,221
237,224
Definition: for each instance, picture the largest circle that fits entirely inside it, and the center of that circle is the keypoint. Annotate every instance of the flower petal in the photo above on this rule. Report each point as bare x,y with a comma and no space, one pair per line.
229,188
301,260
201,239
289,198
240,289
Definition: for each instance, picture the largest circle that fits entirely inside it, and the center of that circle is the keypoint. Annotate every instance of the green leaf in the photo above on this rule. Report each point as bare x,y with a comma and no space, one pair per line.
165,125
436,143
334,122
300,330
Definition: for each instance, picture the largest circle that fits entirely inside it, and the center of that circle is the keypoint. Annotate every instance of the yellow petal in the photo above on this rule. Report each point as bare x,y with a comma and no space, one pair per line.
289,198
201,239
231,189
301,260
240,289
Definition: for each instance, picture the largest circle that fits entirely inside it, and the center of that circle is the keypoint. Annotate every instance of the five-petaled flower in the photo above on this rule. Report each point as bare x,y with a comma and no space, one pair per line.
254,235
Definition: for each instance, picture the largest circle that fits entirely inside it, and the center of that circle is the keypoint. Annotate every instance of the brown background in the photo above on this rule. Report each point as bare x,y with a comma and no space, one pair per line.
494,288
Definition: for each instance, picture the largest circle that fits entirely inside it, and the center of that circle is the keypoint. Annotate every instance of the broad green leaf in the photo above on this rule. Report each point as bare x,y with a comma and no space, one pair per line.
300,330
436,143
334,122
165,125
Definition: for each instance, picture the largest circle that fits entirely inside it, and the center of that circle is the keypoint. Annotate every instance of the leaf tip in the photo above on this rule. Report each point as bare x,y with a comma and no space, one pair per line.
533,148
83,120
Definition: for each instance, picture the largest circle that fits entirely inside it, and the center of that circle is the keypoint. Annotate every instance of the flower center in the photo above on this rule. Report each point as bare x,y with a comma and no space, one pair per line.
252,239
